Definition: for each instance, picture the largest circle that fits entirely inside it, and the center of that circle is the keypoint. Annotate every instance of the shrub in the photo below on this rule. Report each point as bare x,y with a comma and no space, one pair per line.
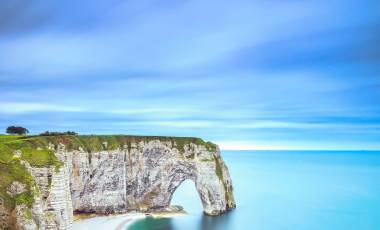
17,130
47,133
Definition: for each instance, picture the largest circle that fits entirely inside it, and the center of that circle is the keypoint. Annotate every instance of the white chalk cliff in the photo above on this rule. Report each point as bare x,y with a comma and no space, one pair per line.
136,173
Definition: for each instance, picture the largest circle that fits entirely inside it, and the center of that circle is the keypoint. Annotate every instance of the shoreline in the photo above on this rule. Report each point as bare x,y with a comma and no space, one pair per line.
116,221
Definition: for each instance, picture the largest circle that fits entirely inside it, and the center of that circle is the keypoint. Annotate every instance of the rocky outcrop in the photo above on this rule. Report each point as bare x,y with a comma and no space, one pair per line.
145,175
134,174
52,207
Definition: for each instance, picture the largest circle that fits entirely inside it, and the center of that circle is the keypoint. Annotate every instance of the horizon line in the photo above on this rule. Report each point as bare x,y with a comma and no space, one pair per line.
335,150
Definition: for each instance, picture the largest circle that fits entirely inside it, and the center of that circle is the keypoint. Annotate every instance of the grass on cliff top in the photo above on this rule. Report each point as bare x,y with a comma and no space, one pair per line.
35,148
95,143
37,155
6,138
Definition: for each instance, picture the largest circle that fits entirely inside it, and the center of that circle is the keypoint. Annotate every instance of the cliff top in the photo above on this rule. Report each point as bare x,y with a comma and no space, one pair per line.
35,148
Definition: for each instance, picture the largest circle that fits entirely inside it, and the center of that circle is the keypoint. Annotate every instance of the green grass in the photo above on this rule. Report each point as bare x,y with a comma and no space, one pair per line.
34,151
14,171
7,138
40,158
28,214
218,169
6,154
34,148
228,190
94,143
25,198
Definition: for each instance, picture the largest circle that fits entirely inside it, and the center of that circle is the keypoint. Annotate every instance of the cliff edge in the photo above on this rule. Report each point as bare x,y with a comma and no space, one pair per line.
45,179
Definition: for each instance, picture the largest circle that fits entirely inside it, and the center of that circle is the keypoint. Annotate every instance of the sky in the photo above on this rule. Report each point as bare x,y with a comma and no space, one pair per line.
245,74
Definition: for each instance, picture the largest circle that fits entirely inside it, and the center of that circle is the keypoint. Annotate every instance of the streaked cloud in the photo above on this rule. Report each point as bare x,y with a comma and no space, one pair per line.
247,74
27,107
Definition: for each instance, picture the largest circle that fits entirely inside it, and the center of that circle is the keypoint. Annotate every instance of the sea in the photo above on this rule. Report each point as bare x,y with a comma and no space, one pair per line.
287,190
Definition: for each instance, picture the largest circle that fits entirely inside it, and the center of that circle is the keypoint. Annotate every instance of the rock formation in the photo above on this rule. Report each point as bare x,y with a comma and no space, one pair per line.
108,174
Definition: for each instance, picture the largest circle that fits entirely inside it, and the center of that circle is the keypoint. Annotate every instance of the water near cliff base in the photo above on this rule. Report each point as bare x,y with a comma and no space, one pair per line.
288,190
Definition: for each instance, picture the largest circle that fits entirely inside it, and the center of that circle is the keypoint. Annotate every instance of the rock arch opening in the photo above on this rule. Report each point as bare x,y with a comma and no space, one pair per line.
186,196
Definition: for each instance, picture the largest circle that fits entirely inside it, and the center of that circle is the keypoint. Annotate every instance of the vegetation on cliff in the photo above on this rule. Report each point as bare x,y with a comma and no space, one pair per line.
94,143
38,151
17,130
34,151
14,149
12,171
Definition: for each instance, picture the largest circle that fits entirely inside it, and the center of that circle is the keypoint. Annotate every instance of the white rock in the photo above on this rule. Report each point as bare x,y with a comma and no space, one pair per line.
142,177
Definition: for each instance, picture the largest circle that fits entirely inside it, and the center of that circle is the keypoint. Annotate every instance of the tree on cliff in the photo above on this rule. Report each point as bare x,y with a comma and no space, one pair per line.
17,130
48,133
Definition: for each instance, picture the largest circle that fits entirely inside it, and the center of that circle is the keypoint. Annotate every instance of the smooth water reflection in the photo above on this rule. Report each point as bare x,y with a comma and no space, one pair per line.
153,224
288,190
216,222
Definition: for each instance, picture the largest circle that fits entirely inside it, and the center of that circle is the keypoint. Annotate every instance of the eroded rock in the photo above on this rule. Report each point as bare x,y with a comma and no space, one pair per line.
145,176
16,188
141,175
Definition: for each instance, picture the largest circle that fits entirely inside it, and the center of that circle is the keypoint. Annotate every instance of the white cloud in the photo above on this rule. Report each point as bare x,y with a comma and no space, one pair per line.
301,125
28,107
129,111
296,145
185,124
248,145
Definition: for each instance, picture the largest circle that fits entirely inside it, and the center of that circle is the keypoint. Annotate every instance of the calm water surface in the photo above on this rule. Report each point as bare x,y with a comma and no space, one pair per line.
288,190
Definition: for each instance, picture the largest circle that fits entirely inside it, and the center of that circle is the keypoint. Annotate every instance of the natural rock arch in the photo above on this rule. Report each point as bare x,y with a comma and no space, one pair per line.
167,169
112,174
144,176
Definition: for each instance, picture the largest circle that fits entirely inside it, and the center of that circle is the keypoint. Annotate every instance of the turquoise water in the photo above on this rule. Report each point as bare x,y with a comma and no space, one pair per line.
288,190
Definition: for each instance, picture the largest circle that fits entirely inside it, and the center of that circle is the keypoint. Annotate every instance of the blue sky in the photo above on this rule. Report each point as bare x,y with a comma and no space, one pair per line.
244,74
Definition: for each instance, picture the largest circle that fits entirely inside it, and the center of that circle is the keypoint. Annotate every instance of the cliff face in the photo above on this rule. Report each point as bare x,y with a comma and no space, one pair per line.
115,175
